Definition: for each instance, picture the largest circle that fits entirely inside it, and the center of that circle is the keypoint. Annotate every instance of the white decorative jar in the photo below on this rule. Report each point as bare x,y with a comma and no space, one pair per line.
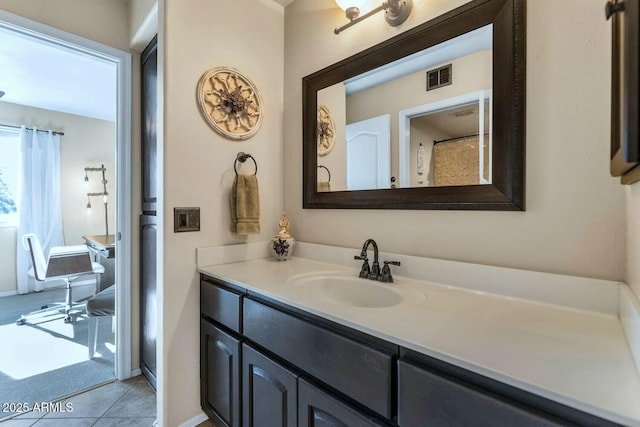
283,248
282,244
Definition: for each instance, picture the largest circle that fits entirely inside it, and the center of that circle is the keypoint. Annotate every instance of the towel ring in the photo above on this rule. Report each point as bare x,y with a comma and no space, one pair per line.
327,169
242,157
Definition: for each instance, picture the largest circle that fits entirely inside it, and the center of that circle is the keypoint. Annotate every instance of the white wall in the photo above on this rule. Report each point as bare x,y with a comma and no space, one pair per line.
575,218
86,142
198,163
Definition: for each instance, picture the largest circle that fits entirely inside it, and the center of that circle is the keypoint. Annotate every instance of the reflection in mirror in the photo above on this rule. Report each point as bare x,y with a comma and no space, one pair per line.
443,145
387,112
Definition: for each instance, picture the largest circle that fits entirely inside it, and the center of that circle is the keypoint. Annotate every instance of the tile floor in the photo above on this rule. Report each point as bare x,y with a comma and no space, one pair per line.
130,403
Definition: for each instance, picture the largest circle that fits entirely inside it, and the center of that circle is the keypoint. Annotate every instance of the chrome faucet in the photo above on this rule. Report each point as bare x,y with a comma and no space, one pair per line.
374,273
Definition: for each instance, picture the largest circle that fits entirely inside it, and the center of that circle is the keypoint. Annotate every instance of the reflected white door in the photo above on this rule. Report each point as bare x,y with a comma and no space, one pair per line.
368,154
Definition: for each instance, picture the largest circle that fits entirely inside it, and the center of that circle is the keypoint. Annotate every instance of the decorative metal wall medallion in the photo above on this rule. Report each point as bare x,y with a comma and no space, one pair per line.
326,130
230,103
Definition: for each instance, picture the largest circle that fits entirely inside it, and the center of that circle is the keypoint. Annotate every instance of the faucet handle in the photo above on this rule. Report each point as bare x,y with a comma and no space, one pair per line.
364,271
385,276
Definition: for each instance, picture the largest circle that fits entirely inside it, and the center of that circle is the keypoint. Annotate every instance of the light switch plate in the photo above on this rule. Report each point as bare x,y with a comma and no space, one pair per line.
186,219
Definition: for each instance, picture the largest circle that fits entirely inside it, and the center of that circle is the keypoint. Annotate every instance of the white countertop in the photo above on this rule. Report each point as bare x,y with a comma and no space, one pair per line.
576,357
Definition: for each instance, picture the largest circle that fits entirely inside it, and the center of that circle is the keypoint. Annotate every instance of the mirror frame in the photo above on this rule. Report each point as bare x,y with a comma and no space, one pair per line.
507,190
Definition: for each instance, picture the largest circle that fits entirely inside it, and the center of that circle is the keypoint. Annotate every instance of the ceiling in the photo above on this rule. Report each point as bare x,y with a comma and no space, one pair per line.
45,75
284,3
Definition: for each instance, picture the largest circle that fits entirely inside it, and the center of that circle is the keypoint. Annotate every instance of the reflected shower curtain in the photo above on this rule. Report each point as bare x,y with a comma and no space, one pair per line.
39,206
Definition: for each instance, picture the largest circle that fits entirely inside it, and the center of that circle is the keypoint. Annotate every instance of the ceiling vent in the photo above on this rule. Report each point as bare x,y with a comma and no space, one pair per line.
439,77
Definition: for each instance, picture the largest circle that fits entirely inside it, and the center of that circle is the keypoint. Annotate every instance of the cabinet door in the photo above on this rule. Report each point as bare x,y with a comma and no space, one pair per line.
269,392
149,99
425,398
219,374
148,301
318,409
148,220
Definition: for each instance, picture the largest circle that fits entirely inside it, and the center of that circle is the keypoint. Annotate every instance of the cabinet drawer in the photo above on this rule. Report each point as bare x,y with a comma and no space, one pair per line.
318,409
425,398
220,304
359,371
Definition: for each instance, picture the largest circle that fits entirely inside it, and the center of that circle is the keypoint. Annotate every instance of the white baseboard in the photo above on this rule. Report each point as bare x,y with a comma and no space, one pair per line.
8,293
136,372
193,422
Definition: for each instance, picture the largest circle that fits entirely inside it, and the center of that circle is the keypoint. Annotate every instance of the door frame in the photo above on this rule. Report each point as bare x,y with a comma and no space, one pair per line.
122,61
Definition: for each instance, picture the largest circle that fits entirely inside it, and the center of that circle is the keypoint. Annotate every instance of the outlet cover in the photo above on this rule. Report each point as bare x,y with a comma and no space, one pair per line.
186,219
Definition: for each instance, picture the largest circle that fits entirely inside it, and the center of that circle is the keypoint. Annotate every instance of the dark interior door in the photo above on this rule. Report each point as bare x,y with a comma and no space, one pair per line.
148,219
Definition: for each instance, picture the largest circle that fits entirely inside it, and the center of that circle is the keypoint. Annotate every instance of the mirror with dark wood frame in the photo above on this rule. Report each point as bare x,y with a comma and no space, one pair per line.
501,185
625,89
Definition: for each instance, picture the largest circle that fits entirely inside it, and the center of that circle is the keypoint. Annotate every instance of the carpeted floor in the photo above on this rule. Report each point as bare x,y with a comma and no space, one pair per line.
45,360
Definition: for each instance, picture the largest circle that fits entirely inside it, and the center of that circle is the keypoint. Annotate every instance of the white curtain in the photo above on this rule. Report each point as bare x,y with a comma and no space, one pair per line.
39,206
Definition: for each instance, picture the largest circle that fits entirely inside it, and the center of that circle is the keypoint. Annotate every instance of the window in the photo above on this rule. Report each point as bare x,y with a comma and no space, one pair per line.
9,176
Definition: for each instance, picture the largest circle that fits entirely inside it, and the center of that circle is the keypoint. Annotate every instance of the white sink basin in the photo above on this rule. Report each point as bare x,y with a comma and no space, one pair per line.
353,291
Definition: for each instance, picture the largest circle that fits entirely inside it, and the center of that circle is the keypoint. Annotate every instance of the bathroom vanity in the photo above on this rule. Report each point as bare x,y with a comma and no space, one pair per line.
308,343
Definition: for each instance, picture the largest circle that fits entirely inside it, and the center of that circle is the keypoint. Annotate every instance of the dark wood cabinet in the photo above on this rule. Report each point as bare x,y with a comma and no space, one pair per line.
148,218
264,363
355,369
220,304
220,374
148,301
625,89
318,409
424,395
269,392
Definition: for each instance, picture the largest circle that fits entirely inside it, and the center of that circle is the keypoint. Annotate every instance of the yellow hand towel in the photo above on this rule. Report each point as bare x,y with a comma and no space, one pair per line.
245,205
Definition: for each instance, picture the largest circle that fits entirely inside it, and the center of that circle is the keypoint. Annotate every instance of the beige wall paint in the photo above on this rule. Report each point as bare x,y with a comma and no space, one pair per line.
107,22
99,20
143,22
575,218
633,238
86,142
198,164
335,160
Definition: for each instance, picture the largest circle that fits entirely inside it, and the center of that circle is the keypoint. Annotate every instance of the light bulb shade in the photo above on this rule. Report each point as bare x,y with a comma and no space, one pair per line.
346,4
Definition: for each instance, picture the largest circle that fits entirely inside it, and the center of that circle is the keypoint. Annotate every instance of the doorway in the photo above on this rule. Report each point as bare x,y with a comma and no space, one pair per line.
121,64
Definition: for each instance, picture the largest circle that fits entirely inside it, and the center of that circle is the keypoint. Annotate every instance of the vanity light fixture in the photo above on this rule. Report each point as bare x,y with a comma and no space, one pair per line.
395,12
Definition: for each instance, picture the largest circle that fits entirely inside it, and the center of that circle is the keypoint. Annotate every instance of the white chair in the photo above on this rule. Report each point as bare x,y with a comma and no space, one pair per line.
66,263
